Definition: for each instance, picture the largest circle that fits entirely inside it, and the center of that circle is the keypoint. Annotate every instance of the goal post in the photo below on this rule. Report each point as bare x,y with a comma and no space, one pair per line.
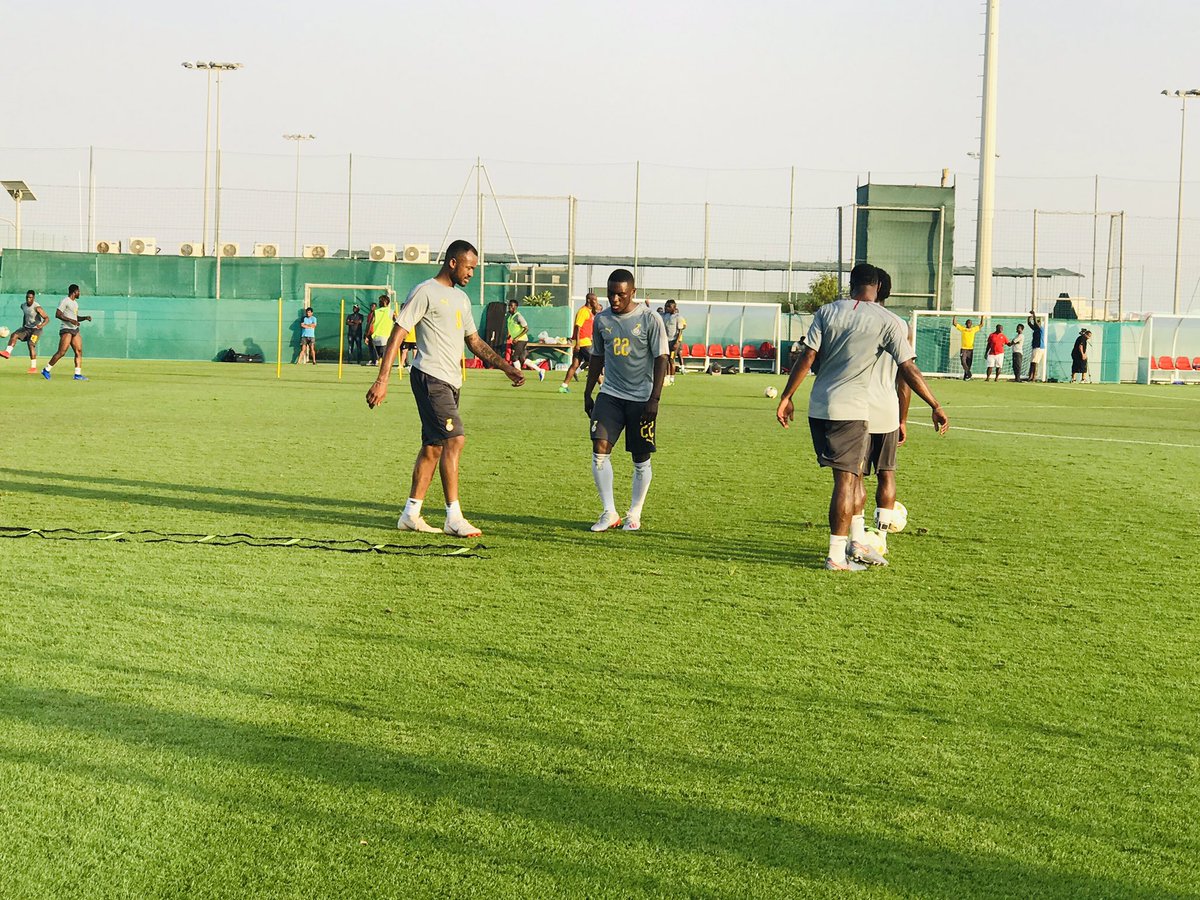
327,302
938,342
1169,350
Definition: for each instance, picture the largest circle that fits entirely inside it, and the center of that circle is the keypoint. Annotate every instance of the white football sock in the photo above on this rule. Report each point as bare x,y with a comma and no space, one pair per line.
837,547
529,364
602,473
883,518
78,371
641,484
453,511
33,362
858,529
412,508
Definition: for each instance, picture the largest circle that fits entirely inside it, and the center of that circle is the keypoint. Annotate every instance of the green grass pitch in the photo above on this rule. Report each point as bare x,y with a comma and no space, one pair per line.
1009,710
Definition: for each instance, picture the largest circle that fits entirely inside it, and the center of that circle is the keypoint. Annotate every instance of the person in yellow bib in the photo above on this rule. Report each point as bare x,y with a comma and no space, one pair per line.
382,323
966,355
581,338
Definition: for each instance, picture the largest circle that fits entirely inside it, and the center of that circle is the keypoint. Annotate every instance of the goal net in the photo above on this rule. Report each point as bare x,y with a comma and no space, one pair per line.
1170,349
327,302
939,344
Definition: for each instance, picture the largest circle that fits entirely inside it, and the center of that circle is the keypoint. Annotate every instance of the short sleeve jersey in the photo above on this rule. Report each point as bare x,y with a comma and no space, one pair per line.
30,315
968,336
354,324
850,336
1080,348
583,321
308,327
883,414
671,324
996,344
444,314
1018,343
1037,335
70,309
629,345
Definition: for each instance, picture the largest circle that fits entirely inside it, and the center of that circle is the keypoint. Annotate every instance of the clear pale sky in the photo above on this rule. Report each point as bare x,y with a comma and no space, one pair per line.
838,90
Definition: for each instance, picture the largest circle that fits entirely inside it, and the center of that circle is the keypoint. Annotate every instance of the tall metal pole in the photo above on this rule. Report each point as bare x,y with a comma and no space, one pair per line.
791,232
1033,290
217,207
706,206
1183,98
987,164
91,241
349,205
479,211
1095,223
637,209
1121,274
299,139
207,145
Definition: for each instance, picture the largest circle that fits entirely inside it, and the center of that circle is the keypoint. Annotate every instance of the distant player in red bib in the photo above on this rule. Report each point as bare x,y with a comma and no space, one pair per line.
996,342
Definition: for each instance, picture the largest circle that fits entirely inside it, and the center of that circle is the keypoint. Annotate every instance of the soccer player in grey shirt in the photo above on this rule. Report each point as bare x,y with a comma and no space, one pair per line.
443,311
629,348
850,335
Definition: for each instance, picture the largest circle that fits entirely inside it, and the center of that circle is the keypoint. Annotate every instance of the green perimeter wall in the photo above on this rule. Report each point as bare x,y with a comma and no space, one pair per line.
162,307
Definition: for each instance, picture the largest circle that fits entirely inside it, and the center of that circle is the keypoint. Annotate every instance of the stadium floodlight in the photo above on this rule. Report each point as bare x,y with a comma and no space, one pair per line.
299,139
1183,98
20,192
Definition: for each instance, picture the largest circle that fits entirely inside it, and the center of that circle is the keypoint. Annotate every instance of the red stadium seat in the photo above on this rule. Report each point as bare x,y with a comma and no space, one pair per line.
766,350
732,352
716,352
699,351
749,352
1182,364
1166,364
1153,363
1196,363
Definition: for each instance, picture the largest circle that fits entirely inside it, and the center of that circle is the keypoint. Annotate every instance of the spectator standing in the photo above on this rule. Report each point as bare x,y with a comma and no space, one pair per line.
308,338
966,354
518,333
381,325
1018,353
1037,345
673,322
370,330
996,342
1079,357
354,334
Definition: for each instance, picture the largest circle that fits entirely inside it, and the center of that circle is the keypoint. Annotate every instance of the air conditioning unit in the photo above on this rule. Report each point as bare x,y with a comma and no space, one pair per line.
108,246
230,249
191,248
416,253
267,251
143,246
383,252
315,251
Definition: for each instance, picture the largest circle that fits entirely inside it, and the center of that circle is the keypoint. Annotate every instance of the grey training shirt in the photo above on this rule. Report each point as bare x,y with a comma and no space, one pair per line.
883,415
629,345
444,314
851,335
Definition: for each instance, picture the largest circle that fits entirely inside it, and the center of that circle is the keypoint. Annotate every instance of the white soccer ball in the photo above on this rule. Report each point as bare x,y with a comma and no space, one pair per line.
771,392
4,332
899,517
875,540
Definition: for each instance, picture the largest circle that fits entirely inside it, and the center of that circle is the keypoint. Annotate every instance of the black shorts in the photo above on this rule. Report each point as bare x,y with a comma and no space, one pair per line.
840,445
28,334
583,356
881,452
1078,366
73,332
612,415
437,404
672,346
308,342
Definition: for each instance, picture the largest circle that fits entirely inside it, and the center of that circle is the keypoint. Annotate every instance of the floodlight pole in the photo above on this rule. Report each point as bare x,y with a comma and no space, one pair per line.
1183,98
987,164
208,70
220,67
299,139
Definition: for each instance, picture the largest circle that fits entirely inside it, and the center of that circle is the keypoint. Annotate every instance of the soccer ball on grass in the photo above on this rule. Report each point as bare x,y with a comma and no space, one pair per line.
899,517
771,392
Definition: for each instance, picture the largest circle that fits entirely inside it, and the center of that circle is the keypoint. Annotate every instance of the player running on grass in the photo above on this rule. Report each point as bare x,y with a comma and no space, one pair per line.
581,338
68,333
850,335
629,348
444,314
33,320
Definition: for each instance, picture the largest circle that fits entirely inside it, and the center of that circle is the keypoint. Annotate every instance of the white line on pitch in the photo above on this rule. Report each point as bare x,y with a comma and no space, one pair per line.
1065,437
1136,394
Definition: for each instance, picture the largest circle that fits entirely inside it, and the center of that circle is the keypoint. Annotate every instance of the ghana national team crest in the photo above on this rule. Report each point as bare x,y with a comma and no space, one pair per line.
637,329
449,424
